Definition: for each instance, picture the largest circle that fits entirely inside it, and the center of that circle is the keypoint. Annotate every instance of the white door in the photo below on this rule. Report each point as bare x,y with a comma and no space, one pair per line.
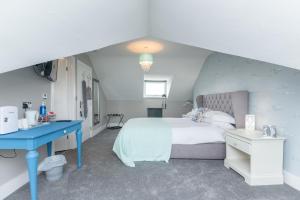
84,105
63,98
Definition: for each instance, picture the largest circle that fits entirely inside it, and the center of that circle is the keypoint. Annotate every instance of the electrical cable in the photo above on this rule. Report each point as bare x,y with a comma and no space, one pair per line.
8,156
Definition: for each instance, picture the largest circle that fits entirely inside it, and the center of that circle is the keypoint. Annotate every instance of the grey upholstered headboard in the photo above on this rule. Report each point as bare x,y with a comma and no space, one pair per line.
233,103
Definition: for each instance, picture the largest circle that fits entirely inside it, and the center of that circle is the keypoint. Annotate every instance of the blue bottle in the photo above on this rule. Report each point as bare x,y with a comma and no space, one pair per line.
43,109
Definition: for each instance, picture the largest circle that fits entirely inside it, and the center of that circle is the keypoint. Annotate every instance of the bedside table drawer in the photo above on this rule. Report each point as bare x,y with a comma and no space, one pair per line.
239,144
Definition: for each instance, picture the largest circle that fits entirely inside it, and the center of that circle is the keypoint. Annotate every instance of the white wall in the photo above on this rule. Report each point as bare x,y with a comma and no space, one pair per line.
263,30
16,87
133,109
122,77
35,31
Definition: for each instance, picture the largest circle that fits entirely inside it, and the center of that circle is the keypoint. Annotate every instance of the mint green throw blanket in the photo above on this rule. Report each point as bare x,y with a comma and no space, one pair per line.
144,139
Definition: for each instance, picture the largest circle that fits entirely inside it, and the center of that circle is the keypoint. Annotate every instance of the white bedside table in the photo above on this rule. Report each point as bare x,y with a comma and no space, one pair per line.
258,159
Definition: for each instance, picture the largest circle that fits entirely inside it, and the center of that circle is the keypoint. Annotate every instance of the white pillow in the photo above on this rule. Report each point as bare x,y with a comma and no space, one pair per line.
223,125
200,114
191,114
218,116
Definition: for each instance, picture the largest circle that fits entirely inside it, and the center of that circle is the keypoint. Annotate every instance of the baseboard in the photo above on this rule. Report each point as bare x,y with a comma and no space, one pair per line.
292,180
115,124
98,129
12,185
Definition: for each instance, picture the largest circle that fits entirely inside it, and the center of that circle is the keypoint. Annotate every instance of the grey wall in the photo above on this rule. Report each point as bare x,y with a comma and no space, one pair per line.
24,85
132,109
15,87
274,95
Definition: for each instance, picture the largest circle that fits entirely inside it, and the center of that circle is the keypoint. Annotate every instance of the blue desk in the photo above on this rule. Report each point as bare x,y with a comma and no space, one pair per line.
32,139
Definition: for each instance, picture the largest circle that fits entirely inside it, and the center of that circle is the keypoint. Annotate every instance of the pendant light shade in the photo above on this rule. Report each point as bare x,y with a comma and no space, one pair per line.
146,60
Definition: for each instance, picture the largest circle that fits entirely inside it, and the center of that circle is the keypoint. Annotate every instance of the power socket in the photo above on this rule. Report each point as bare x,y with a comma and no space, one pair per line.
44,96
27,105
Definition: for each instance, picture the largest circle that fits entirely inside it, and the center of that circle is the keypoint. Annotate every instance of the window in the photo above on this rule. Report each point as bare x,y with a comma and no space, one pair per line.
155,89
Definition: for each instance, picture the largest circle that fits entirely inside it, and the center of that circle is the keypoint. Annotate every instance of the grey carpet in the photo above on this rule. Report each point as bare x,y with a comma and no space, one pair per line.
104,177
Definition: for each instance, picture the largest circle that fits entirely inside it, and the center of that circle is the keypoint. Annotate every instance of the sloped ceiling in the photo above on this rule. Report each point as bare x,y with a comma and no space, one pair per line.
121,77
265,30
34,31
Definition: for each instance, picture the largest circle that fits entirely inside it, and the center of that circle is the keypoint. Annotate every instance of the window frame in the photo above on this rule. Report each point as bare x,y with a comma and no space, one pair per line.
156,81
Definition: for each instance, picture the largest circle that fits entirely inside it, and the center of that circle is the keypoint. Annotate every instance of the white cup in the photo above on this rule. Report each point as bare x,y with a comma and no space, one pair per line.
23,123
32,117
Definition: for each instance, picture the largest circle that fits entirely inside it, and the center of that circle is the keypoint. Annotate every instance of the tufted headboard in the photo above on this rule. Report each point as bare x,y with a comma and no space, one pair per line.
233,103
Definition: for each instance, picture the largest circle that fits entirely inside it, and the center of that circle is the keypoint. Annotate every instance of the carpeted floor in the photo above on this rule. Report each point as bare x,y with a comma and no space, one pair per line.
104,177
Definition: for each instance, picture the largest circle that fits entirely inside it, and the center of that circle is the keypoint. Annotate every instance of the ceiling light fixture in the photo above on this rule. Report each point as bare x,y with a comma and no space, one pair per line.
139,46
146,49
146,61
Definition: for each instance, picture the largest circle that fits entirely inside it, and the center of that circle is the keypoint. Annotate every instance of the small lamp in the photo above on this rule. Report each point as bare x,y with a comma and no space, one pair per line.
250,122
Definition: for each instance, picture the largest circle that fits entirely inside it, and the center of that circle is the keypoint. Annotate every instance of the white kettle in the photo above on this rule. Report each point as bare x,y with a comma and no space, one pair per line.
32,117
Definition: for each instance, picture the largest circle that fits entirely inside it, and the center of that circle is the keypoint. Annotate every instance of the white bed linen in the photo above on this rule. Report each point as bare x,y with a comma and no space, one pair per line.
186,131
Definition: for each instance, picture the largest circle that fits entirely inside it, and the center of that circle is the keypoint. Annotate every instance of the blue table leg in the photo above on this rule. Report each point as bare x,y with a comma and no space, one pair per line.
79,141
32,163
49,148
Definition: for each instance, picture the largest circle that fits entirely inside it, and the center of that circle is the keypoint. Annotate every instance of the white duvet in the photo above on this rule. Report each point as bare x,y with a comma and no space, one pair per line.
186,131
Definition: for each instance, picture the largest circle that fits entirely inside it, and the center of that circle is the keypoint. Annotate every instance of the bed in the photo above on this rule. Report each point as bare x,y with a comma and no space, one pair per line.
233,103
150,139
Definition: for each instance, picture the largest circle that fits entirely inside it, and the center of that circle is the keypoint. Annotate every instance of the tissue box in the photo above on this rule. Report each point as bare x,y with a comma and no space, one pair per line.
8,119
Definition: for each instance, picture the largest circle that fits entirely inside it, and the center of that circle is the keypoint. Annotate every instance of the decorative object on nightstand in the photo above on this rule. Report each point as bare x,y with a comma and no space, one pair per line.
257,158
250,122
269,131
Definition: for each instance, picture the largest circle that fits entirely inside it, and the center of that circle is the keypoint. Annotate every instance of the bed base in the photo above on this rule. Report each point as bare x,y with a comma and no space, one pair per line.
207,151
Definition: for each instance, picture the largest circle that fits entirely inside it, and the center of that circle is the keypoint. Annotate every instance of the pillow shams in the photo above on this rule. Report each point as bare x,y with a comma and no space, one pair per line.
218,116
191,114
223,125
200,115
194,114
